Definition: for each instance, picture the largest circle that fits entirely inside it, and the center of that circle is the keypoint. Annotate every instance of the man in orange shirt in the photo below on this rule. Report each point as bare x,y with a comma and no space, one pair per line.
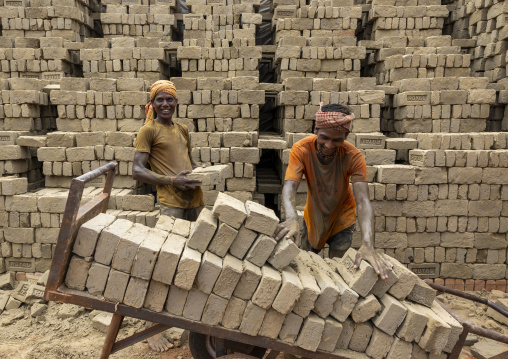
329,163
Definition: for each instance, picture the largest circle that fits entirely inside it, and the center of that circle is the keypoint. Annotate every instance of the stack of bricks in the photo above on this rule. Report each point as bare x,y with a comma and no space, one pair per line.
441,105
223,117
44,58
423,18
138,18
320,42
31,220
123,57
23,113
227,270
68,19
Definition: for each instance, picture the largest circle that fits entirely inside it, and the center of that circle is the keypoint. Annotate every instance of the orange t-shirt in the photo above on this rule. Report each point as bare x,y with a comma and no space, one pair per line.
330,206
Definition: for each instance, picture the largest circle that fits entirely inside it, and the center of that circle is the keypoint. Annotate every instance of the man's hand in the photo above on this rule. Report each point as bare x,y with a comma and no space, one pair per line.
381,266
185,184
289,228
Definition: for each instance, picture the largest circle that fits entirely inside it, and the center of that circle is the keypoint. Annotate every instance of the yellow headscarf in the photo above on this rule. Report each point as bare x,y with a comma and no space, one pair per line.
157,87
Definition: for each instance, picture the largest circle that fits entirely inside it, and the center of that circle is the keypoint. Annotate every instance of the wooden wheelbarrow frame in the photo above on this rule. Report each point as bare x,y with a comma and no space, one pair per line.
74,216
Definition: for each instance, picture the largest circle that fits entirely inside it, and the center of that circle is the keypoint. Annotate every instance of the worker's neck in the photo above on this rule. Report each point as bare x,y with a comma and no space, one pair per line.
165,121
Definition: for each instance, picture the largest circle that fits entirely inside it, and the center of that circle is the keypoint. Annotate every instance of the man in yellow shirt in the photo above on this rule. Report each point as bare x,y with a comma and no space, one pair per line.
165,145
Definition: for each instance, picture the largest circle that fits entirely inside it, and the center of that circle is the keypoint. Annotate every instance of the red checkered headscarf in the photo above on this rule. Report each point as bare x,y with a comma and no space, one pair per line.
337,120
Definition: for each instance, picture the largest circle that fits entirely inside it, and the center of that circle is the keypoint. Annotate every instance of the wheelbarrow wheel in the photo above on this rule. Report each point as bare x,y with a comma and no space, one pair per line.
203,347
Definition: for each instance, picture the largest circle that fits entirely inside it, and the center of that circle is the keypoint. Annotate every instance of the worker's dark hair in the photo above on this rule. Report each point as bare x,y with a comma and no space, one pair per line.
334,107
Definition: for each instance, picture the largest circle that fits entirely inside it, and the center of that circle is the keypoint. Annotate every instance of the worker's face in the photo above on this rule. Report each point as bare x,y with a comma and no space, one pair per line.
330,140
164,105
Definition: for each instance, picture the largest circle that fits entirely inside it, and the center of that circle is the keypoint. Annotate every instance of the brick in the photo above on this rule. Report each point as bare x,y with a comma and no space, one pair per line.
361,336
13,186
346,334
77,273
97,278
400,349
229,210
181,227
346,300
187,268
116,286
289,292
362,279
311,290
311,332
176,300
232,269
423,294
7,281
222,239
136,292
19,235
284,252
242,242
456,327
436,334
418,353
379,345
248,282
214,310
414,323
392,315
195,304
146,257
166,223
383,285
330,335
108,240
168,259
156,296
203,230
260,251
127,247
252,319
209,271
272,324
290,328
234,313
89,233
406,282
268,287
260,218
399,174
365,309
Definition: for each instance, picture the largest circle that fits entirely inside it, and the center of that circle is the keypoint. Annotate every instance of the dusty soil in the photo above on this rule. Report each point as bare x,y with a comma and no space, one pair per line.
50,336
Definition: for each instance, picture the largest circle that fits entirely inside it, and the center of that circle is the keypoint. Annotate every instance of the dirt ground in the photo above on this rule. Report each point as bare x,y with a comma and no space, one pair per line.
50,336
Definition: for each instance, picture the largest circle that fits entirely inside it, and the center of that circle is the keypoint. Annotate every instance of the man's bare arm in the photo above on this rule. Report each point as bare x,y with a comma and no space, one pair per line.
290,227
366,220
143,174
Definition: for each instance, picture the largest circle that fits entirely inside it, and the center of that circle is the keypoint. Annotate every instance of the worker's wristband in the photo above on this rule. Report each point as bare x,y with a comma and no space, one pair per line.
171,181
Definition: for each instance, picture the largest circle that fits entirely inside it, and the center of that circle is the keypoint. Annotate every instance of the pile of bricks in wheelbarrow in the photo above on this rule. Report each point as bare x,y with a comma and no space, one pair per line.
226,269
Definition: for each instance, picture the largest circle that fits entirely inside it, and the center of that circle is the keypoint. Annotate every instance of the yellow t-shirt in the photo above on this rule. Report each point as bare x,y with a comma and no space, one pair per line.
169,149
